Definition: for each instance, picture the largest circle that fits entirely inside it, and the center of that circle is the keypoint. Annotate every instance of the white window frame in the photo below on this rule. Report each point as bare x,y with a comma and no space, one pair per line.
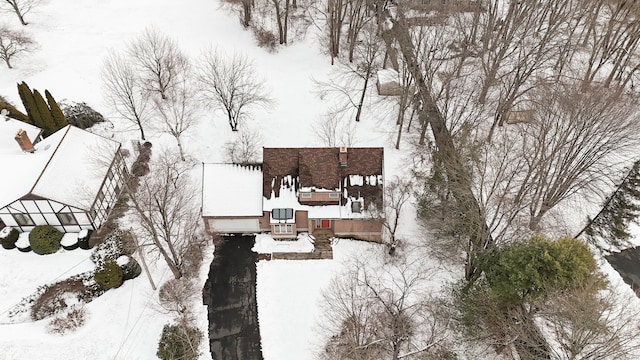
305,195
64,216
334,195
278,228
21,217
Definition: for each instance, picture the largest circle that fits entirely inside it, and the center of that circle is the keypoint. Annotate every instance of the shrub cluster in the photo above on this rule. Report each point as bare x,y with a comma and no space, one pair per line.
140,167
109,250
45,239
266,39
179,342
8,237
72,319
59,297
109,276
130,267
81,115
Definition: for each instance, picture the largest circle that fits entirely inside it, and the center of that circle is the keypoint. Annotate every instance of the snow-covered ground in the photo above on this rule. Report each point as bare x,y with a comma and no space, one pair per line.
125,323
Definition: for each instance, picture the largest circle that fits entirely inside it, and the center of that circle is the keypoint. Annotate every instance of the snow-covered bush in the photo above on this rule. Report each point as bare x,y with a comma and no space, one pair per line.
81,114
70,320
45,239
8,237
59,297
109,276
130,267
266,39
140,167
109,250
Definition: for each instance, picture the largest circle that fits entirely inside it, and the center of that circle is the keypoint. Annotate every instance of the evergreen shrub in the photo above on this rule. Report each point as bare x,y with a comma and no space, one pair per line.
81,115
109,276
179,342
45,239
8,237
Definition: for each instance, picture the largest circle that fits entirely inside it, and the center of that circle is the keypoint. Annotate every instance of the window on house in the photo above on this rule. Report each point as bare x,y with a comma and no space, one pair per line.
67,219
283,228
305,195
282,214
23,219
110,174
334,195
100,196
356,206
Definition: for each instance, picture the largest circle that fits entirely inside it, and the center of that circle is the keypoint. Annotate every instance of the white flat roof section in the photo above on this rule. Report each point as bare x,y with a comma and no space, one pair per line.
230,190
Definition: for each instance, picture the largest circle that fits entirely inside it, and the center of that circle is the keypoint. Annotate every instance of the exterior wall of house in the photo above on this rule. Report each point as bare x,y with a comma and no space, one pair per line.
389,88
315,197
110,189
232,225
302,220
363,229
264,221
278,231
45,212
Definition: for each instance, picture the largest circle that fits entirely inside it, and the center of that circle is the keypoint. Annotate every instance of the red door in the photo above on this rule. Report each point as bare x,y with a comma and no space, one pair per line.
325,224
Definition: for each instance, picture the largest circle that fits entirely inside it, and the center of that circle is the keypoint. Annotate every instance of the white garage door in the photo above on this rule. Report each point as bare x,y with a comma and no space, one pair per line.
234,225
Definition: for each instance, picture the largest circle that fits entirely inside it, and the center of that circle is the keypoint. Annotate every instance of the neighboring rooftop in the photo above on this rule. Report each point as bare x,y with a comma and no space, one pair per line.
231,190
68,166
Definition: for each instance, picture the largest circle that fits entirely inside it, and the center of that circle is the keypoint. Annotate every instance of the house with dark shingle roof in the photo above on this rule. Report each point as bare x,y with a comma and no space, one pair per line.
335,190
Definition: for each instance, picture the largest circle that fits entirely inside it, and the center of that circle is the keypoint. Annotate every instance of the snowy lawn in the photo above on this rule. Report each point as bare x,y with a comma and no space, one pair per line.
289,294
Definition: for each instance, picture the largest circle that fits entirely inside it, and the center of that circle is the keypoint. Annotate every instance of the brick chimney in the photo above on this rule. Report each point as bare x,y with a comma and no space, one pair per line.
343,156
23,140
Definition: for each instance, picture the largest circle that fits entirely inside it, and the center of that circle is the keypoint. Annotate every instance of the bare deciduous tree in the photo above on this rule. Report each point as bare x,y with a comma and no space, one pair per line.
246,148
376,312
334,131
125,92
13,43
592,326
178,112
159,62
20,7
396,193
231,85
575,144
165,206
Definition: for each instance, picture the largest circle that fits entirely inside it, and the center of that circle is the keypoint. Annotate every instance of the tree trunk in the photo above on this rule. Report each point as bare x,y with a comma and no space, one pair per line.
279,21
286,20
458,178
246,12
364,91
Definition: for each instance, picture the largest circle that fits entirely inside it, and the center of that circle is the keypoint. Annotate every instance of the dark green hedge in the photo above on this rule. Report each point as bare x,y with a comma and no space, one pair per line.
45,239
109,276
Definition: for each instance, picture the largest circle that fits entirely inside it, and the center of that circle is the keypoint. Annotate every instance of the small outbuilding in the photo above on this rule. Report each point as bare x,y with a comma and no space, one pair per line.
388,83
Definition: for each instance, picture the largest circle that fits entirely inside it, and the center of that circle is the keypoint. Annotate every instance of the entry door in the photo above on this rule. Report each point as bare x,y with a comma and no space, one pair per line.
325,224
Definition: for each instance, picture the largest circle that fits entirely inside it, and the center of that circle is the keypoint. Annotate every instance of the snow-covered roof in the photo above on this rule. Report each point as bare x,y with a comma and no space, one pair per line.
231,190
64,167
9,128
289,199
77,170
386,76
